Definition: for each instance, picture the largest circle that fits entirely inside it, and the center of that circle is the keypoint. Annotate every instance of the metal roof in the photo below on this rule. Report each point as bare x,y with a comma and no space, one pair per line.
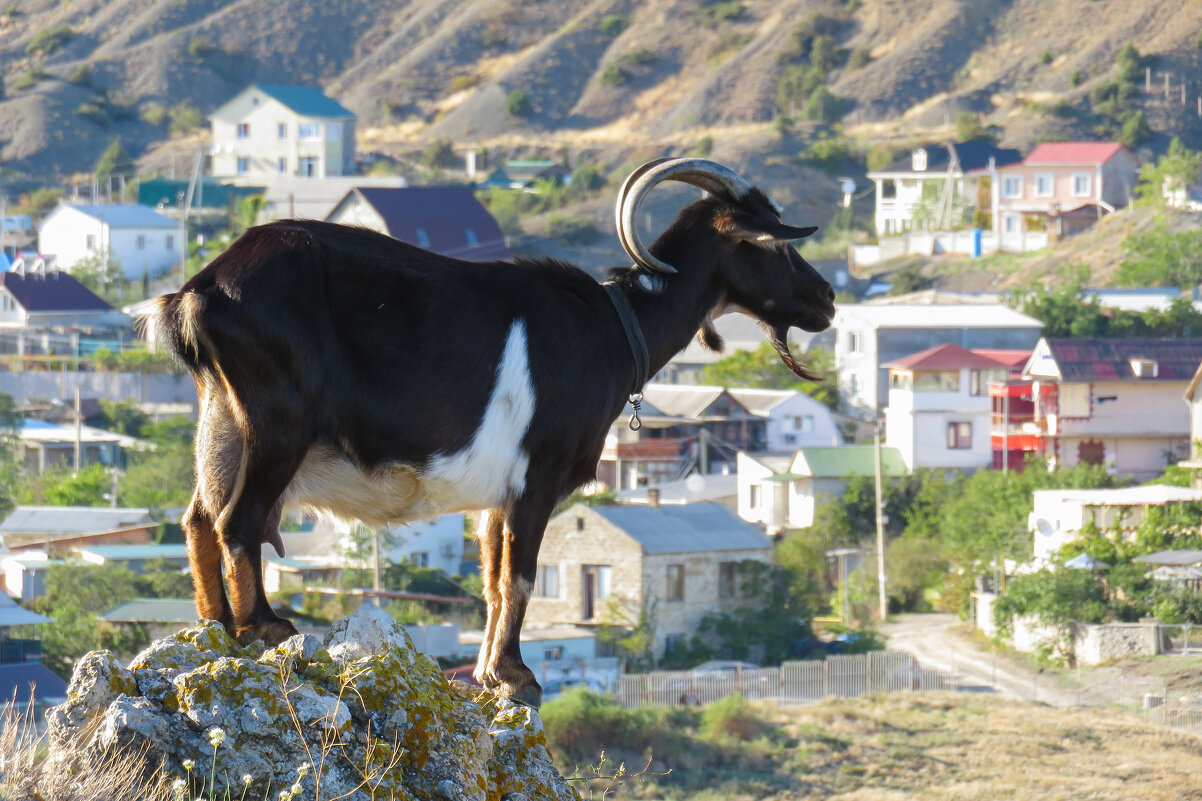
947,357
936,316
448,220
153,610
1183,558
53,292
34,430
1150,495
127,552
973,156
51,520
24,679
127,215
307,101
1177,359
761,402
846,460
13,615
688,528
1072,153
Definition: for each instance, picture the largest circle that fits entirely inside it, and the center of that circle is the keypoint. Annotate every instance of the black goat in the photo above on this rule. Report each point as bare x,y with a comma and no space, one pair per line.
344,371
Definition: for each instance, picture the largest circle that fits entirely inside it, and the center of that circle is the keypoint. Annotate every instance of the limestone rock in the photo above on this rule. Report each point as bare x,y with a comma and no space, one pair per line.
358,714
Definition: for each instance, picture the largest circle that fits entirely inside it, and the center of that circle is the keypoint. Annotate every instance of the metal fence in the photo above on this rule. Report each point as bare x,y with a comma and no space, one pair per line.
793,682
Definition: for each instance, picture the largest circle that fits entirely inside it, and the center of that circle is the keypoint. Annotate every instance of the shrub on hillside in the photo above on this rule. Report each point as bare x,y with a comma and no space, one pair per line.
614,24
518,103
49,40
733,716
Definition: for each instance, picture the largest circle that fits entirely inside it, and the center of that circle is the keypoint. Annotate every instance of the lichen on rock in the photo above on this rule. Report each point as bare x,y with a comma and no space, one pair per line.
359,713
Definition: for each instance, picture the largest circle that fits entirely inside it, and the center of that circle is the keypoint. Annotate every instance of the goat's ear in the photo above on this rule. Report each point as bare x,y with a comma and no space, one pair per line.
758,228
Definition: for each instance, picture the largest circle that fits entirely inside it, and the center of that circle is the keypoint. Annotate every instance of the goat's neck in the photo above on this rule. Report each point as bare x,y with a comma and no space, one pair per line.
670,318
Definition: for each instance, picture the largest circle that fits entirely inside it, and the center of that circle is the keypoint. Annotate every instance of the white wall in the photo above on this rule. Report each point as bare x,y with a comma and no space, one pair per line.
65,235
782,435
751,473
441,540
263,148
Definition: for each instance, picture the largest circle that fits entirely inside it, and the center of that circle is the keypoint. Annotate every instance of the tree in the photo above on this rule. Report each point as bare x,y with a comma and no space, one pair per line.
518,103
968,127
102,276
1163,258
10,468
75,595
1175,171
761,368
114,161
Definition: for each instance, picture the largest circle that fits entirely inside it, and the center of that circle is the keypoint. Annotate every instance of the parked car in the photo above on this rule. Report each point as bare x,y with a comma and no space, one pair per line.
720,666
556,687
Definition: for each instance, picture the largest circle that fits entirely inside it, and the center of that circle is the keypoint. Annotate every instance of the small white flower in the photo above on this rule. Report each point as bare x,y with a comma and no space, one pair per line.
247,778
295,789
189,764
285,795
216,736
178,786
303,769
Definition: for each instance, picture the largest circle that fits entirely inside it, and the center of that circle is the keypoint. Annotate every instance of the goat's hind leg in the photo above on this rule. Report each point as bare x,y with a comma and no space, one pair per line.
491,537
204,558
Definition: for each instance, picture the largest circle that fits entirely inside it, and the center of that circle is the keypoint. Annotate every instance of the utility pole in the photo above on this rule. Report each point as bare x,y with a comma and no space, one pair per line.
703,450
78,432
880,524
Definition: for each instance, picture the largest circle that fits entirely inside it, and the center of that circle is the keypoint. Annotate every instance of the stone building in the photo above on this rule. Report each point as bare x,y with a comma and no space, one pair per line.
610,563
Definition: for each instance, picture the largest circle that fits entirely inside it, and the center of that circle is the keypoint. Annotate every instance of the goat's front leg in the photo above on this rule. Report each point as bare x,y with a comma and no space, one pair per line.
491,535
523,534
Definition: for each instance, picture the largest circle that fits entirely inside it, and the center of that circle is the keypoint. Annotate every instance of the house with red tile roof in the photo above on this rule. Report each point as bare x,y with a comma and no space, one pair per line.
1062,188
940,405
1113,402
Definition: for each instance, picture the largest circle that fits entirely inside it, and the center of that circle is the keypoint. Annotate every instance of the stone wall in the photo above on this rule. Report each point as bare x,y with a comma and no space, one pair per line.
138,387
1096,644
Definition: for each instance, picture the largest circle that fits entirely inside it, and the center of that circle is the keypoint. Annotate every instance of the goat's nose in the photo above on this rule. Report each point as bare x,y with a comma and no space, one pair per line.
830,293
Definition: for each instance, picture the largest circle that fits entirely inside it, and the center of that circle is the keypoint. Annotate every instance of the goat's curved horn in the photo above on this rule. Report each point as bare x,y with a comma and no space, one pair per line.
715,178
630,179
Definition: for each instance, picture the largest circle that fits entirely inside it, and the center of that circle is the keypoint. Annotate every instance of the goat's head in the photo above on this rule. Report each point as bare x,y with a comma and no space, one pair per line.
738,229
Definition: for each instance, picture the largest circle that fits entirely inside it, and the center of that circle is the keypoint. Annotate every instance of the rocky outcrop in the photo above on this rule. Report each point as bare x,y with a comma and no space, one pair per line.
357,714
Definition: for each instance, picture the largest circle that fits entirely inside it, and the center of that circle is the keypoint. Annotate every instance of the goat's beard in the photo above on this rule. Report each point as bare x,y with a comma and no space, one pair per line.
778,337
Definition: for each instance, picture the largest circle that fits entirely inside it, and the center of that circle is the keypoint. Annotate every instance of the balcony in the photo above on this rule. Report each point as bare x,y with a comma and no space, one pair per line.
650,450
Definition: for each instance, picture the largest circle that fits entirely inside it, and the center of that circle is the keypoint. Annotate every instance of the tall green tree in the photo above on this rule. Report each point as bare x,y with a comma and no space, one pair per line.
75,595
1163,258
761,368
114,161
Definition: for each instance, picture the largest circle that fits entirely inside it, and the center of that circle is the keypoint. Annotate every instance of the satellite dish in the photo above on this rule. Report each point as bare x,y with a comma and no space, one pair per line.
848,186
694,483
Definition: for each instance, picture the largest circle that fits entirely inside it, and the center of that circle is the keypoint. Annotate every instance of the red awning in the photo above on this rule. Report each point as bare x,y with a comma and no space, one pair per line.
1024,390
1017,442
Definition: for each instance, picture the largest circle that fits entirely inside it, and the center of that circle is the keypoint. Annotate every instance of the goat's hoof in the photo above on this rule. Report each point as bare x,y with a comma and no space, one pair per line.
530,695
271,632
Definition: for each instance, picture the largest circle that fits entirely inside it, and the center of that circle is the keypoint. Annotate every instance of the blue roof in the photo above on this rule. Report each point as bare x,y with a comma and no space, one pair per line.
690,527
308,101
121,552
17,681
153,610
4,262
128,215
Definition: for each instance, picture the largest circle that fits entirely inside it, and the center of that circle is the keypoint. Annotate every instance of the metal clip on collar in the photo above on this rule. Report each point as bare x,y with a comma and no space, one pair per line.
638,348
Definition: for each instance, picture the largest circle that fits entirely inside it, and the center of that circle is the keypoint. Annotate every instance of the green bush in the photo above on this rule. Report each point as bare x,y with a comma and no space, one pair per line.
93,112
49,40
491,37
715,12
1075,78
81,76
518,103
860,57
1045,57
199,47
704,146
154,114
580,725
614,75
572,230
614,24
823,106
184,117
735,717
797,83
28,79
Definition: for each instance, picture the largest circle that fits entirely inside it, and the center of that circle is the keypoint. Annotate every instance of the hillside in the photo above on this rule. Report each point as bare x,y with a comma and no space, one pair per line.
601,75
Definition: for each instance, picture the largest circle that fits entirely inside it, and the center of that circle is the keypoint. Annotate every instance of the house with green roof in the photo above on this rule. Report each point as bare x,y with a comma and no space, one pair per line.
268,131
782,492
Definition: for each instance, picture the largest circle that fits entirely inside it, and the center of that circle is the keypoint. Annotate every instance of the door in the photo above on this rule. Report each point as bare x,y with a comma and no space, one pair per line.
588,606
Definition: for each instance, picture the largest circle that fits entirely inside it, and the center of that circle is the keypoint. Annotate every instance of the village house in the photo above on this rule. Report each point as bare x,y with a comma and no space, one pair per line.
265,131
24,680
868,337
62,529
138,239
47,446
1113,402
524,174
609,564
1061,516
53,300
436,543
1193,399
940,408
291,198
783,492
136,558
1062,188
444,219
910,192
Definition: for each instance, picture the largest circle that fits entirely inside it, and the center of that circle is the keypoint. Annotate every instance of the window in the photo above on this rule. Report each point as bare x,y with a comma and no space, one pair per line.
1074,400
855,342
470,235
334,132
979,380
580,524
726,580
420,559
243,165
548,581
423,239
90,242
899,381
308,167
888,192
753,499
308,131
141,241
1012,186
1011,224
604,581
282,130
673,643
959,436
552,653
942,381
807,423
1091,452
1082,184
243,130
282,164
1045,184
675,582
170,243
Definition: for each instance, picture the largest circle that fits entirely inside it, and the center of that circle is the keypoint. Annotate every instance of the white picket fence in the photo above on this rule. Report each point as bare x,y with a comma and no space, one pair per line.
804,681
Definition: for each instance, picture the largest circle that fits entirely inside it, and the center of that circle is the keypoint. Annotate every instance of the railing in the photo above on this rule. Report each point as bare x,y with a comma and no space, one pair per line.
14,651
849,676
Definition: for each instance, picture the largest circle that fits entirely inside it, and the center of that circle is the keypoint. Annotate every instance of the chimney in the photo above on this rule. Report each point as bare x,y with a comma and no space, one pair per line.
653,498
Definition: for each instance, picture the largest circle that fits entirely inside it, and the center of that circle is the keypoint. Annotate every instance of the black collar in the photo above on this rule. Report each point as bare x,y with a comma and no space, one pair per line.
638,347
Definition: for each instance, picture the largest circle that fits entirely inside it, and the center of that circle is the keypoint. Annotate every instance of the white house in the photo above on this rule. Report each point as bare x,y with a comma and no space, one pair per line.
1113,402
264,132
940,410
1059,515
434,543
793,419
782,492
137,238
868,337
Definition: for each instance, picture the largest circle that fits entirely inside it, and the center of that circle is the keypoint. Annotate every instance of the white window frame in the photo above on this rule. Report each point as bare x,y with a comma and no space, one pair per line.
141,241
282,165
1017,181
1050,177
955,438
242,130
1009,226
1088,184
90,242
305,164
548,581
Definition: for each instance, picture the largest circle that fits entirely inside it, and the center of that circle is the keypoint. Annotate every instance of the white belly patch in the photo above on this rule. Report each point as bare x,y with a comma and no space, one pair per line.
481,476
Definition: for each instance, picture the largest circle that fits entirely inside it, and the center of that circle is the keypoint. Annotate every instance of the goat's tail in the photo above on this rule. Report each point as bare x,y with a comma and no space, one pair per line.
173,324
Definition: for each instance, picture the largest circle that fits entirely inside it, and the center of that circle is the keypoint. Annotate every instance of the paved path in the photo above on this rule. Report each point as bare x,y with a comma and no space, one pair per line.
933,641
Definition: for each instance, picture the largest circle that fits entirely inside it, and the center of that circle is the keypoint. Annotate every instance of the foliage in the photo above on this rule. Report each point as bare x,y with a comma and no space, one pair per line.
124,417
10,467
439,154
102,276
572,230
969,127
798,82
1162,258
829,152
81,76
518,103
614,75
114,161
199,47
49,40
184,118
247,213
1114,101
822,106
42,201
715,11
1066,310
579,725
761,368
75,594
735,717
704,147
1045,57
1075,78
67,487
613,24
879,157
860,57
1176,170
1056,599
908,279
159,479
